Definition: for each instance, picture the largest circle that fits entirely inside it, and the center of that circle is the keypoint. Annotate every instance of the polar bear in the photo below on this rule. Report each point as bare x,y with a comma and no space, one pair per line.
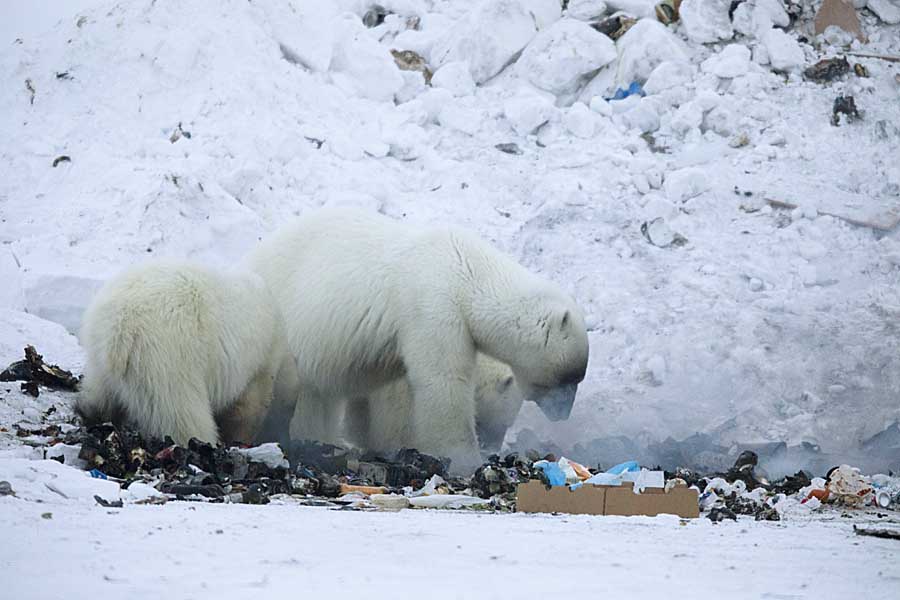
381,422
179,350
367,300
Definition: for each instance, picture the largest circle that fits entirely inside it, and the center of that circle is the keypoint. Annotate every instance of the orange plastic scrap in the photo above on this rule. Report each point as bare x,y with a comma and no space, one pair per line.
821,495
368,490
580,470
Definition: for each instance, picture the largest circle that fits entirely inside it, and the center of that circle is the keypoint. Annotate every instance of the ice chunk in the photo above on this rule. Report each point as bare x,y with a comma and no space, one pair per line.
706,21
11,294
887,10
579,120
634,8
455,77
488,38
668,74
306,34
683,184
18,329
68,453
544,12
139,491
642,115
732,61
367,66
528,111
559,58
783,51
585,10
60,298
647,44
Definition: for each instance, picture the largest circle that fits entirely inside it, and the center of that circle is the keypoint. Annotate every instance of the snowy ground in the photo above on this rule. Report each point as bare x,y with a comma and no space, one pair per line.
767,324
186,550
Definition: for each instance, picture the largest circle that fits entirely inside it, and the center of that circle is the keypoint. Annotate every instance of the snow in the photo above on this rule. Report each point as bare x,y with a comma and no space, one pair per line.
230,551
586,10
887,10
564,53
706,21
295,105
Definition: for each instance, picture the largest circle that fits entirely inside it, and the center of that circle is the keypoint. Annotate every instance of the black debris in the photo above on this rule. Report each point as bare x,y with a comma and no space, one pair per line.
828,69
614,27
720,513
64,75
375,16
61,159
844,105
6,489
887,534
509,148
33,370
107,504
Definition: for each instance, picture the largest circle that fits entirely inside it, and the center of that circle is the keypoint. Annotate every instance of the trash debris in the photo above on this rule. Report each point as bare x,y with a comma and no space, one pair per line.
61,159
860,70
615,26
368,490
178,134
6,489
390,501
840,14
33,370
827,69
887,534
667,11
407,60
374,16
844,105
509,148
107,503
848,487
720,513
29,85
634,89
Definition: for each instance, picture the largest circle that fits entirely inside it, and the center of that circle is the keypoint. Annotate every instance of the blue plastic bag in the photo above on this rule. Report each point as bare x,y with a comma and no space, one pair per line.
552,471
633,89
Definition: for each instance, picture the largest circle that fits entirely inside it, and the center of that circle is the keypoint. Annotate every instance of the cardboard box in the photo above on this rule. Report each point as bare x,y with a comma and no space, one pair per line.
534,497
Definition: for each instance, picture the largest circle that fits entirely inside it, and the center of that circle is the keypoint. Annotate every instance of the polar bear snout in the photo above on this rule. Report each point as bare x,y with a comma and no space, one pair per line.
556,402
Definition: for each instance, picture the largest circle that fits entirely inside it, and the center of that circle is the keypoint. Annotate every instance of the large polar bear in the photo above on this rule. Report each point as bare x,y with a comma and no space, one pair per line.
381,422
179,350
367,300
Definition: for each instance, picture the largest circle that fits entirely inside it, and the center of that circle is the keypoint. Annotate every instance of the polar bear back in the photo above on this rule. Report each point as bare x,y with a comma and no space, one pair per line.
182,315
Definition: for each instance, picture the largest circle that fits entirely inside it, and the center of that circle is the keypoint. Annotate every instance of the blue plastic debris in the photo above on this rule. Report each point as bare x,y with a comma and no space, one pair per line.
632,90
552,471
97,474
630,465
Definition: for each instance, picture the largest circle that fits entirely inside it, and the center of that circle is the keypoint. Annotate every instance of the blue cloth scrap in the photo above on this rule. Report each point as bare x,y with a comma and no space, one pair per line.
97,474
553,473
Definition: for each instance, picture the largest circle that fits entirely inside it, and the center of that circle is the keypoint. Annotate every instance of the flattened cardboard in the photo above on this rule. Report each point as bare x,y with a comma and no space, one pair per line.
840,13
533,497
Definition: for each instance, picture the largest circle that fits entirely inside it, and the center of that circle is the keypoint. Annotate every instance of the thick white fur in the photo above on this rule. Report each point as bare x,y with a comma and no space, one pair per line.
173,348
382,422
368,300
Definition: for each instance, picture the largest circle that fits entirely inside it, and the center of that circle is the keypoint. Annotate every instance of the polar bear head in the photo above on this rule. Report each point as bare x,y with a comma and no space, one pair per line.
547,350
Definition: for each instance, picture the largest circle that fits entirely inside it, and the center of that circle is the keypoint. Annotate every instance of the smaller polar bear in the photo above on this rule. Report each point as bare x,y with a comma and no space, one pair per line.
381,423
179,350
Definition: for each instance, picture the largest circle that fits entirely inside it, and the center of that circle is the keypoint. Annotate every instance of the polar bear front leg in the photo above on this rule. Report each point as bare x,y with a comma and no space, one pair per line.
242,421
443,411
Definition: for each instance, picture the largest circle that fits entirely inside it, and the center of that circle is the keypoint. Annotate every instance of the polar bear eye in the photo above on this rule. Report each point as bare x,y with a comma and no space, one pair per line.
507,382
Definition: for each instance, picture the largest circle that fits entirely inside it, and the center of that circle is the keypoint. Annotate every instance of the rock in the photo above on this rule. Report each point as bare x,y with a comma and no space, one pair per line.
579,120
455,77
784,53
685,184
887,10
487,38
528,111
645,46
668,74
706,21
586,10
732,61
559,58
